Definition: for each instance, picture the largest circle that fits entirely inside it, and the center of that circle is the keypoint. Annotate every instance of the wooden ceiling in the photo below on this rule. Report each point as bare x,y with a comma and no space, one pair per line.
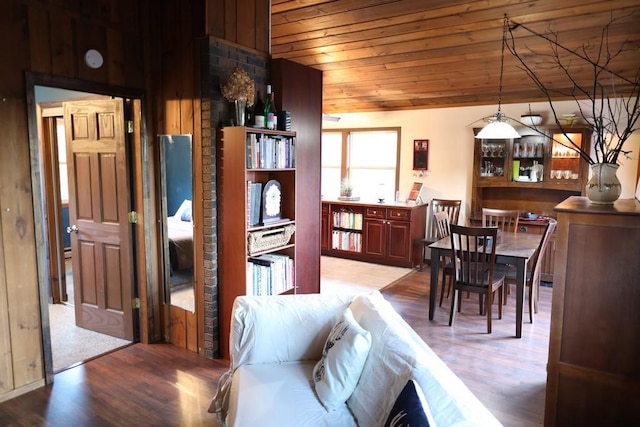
379,55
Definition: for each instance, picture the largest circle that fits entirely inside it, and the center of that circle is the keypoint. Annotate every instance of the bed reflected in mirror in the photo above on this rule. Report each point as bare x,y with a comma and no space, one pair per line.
177,190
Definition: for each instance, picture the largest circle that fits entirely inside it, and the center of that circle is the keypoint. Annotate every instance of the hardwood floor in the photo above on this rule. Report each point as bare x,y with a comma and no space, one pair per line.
163,385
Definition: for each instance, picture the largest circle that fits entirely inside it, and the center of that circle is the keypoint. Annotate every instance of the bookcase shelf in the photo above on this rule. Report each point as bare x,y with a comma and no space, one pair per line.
249,263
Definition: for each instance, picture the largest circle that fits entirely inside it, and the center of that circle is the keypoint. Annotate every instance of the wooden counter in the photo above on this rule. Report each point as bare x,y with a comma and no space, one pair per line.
383,233
593,374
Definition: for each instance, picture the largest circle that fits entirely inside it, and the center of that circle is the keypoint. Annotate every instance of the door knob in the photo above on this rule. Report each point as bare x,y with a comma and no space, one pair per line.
72,229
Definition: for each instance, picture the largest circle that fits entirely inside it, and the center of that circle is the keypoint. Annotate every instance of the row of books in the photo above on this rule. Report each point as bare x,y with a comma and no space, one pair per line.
346,241
347,220
270,274
270,151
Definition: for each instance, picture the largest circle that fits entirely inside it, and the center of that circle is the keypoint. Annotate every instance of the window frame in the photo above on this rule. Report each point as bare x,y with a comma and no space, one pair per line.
345,162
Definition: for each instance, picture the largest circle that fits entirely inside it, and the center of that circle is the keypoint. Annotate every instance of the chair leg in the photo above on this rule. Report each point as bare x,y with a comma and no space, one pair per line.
488,309
501,296
454,299
531,302
443,282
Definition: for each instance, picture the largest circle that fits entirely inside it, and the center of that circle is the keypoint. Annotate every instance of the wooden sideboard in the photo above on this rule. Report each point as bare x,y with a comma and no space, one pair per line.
384,233
593,374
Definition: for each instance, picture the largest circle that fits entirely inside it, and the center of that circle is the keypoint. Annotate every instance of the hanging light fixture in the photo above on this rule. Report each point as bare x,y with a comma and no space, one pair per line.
499,127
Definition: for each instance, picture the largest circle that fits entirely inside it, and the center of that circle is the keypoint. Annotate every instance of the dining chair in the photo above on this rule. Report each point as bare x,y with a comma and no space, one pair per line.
506,220
474,258
532,275
452,208
441,221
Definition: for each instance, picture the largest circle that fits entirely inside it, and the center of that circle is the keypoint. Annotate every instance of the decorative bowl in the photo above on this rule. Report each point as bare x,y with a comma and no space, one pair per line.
530,215
531,119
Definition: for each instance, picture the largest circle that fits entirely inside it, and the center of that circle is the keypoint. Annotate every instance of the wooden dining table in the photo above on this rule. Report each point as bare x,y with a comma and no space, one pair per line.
512,248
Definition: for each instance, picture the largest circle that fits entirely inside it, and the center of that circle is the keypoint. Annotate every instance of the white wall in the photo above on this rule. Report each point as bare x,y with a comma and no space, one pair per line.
450,135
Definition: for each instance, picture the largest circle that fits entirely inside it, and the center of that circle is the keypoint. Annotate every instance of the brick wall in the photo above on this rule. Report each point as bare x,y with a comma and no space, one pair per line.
218,60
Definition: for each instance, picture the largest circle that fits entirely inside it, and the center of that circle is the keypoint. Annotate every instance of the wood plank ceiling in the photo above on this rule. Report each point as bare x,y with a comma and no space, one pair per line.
379,55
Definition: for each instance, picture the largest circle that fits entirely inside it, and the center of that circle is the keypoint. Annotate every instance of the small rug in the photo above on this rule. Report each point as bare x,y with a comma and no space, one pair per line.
70,344
345,276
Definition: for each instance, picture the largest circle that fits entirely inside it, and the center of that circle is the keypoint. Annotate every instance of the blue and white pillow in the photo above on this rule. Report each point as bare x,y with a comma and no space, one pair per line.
345,351
410,408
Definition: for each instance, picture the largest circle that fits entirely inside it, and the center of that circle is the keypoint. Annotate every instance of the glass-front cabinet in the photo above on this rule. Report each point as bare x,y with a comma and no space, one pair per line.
494,153
528,154
531,173
565,165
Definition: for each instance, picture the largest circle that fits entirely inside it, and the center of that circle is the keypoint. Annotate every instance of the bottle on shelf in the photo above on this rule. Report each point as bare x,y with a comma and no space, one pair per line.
272,120
258,115
268,108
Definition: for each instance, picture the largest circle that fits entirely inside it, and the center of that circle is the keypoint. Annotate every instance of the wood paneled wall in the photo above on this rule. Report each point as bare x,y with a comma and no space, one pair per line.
149,48
47,37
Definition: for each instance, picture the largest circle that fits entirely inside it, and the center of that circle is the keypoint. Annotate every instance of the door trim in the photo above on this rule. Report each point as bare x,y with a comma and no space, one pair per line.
142,190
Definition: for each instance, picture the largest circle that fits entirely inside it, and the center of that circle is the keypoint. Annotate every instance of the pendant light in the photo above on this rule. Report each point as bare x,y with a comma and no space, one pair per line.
498,127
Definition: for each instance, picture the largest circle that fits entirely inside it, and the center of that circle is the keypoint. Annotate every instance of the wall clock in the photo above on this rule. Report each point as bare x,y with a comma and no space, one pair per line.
271,202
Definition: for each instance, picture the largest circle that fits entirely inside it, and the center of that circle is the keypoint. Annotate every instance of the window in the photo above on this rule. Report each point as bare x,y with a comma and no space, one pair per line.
368,158
62,161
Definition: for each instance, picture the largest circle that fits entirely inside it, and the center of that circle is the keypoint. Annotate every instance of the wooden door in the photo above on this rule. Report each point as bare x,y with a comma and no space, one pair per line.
399,237
375,238
99,200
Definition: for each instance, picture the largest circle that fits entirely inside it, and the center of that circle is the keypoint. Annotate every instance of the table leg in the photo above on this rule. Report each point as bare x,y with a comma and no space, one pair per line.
433,286
520,278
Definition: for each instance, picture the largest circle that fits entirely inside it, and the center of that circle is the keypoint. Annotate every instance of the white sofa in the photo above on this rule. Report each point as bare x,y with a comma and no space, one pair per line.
276,341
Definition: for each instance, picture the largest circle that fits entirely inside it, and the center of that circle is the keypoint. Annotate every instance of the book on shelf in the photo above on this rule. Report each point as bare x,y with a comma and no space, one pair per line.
254,198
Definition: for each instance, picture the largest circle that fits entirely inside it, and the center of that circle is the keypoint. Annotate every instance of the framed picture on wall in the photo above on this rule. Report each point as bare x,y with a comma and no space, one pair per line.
420,154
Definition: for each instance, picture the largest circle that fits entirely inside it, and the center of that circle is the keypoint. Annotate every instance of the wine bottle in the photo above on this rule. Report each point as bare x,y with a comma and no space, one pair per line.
273,115
268,108
258,113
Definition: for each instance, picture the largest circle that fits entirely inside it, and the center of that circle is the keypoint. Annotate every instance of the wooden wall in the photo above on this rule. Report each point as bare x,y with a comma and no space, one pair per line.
49,38
159,62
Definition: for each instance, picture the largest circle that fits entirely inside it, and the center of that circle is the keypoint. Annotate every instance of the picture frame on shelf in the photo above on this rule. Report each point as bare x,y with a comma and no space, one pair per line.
414,194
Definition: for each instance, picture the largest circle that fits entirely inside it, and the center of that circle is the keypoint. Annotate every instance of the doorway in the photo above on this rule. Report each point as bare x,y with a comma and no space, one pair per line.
79,292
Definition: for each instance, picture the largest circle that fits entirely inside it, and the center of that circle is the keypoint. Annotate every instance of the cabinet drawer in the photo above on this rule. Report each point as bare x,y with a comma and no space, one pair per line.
372,212
399,214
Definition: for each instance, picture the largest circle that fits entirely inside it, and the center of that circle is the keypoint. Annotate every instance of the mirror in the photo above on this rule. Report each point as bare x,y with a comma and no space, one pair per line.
177,195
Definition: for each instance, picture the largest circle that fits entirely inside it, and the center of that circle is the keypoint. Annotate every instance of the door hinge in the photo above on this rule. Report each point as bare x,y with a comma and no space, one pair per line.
129,126
135,303
133,217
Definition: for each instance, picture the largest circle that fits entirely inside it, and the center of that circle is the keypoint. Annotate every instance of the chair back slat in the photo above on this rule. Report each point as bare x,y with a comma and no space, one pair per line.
505,220
451,207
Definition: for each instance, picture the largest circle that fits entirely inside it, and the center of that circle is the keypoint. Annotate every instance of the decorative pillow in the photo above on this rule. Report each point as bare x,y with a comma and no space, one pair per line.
186,215
184,207
410,408
337,373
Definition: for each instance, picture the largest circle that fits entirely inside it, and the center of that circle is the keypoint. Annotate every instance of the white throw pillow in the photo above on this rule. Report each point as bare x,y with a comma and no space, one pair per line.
337,373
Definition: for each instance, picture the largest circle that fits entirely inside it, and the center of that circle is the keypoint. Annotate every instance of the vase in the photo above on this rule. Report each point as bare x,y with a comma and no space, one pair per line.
603,187
240,107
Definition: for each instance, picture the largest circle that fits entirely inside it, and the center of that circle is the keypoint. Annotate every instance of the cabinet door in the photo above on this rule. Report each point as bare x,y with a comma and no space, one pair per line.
399,240
375,237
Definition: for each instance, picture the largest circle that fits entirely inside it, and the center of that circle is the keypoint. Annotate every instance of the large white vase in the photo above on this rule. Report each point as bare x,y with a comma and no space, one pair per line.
603,186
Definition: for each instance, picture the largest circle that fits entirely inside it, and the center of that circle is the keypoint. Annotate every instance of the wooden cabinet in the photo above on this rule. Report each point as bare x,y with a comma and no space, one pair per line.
593,374
242,160
502,172
381,233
